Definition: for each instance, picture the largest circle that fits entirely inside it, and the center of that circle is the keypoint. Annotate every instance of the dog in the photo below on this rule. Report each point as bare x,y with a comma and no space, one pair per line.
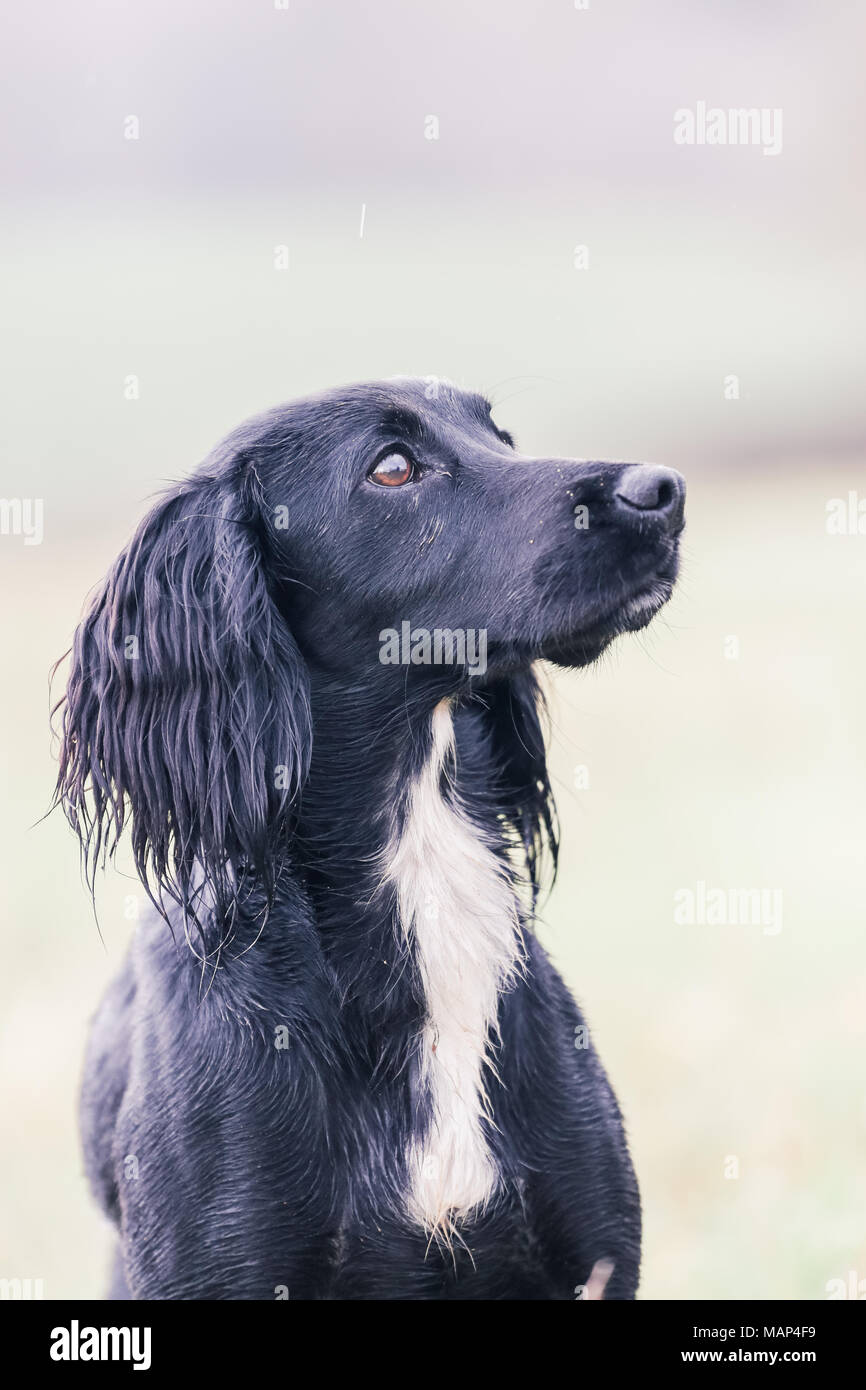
337,1064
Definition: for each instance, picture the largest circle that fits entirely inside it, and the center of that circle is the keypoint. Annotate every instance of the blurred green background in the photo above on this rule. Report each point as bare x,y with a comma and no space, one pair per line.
737,763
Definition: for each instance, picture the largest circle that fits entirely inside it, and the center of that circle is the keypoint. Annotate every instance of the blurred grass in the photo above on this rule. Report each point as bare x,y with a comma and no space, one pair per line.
749,773
720,1041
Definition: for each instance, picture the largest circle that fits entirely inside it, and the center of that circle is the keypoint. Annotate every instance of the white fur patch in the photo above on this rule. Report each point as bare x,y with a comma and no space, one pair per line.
459,910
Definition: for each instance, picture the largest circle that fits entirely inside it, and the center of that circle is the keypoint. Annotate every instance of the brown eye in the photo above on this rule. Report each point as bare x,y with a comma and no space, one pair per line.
392,471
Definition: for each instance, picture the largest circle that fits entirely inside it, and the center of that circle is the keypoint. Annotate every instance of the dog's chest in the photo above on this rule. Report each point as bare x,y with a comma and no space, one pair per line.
459,914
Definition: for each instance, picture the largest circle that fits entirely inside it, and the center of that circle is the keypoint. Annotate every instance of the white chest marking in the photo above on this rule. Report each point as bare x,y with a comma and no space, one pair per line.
459,911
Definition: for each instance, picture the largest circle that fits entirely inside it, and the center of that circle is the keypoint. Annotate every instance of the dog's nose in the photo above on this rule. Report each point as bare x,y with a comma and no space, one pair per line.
659,492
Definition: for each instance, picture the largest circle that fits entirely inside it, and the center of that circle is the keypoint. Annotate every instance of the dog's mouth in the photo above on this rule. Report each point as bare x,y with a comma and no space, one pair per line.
639,610
582,642
585,642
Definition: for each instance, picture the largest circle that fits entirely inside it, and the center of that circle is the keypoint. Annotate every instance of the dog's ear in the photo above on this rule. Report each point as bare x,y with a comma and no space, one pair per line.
187,708
515,708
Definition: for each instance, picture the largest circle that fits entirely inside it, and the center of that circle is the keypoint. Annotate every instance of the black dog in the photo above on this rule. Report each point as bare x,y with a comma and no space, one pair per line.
307,685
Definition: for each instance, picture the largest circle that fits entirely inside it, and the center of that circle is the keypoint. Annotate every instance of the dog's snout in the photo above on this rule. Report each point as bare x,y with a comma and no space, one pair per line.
660,492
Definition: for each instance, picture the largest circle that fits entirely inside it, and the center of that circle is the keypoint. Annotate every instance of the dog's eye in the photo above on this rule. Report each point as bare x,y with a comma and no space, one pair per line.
392,471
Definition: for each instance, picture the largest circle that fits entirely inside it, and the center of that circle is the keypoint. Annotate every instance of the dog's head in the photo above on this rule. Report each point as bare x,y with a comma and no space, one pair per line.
405,504
389,536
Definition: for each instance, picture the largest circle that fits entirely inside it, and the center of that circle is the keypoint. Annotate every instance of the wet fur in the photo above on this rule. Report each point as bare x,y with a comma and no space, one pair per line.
260,1088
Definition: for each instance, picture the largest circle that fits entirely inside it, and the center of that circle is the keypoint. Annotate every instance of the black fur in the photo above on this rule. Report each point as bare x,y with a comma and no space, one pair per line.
227,702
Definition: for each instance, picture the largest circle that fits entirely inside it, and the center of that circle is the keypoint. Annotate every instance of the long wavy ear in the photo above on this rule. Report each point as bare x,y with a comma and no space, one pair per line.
515,708
187,709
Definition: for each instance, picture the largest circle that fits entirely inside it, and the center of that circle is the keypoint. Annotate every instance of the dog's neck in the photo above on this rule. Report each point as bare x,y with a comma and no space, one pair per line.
366,749
370,743
415,903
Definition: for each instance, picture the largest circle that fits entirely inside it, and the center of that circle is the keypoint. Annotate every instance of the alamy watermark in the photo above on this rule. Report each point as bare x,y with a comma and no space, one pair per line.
713,125
439,646
77,1343
853,1287
22,516
18,1290
703,906
846,516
